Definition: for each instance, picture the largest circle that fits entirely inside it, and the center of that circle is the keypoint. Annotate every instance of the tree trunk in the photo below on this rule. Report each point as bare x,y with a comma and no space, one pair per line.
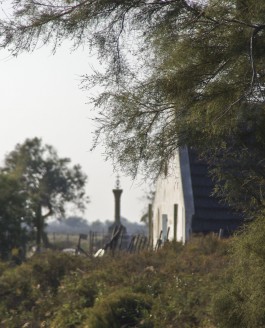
39,227
44,237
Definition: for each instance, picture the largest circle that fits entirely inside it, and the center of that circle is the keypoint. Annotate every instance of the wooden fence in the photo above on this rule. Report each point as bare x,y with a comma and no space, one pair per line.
92,241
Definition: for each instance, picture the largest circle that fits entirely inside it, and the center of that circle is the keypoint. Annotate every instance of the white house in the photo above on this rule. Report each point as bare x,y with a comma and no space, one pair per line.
183,203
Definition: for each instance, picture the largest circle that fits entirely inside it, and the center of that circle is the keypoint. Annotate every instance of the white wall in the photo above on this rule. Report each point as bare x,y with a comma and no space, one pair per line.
175,188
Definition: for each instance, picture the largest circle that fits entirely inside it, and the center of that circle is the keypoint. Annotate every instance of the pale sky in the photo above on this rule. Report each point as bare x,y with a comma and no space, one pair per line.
40,97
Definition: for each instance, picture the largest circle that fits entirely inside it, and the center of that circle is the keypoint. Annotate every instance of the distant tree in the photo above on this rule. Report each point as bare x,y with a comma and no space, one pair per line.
75,221
46,181
98,226
13,214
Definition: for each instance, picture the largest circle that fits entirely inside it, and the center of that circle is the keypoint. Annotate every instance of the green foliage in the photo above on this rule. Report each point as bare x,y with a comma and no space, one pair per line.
241,303
29,291
121,308
19,294
12,211
48,269
44,182
77,292
194,77
169,288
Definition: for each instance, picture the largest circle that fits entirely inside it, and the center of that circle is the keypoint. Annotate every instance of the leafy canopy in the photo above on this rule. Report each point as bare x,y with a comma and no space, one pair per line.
12,213
175,72
45,178
45,181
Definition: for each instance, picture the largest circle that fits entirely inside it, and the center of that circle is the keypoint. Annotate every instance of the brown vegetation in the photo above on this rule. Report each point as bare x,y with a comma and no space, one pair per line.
173,287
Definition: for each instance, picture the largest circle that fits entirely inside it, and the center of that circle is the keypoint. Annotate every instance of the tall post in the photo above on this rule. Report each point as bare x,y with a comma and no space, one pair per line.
175,221
117,195
150,223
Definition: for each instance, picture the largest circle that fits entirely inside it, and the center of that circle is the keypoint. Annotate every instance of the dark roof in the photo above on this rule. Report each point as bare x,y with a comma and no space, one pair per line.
210,213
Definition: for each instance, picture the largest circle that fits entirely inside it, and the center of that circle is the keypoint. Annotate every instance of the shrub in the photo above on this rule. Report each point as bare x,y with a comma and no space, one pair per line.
242,304
49,268
3,267
18,296
170,288
226,309
28,292
121,309
76,293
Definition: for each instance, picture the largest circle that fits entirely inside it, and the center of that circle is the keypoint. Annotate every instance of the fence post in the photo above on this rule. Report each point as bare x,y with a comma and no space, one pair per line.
175,221
150,221
90,241
159,241
136,244
168,229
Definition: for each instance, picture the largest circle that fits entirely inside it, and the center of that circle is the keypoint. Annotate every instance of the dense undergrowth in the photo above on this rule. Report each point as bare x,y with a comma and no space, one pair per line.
208,283
241,301
173,287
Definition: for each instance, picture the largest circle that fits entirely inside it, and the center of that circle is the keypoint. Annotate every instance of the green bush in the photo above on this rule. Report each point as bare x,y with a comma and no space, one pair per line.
77,292
3,267
173,287
18,296
50,268
242,304
226,309
17,288
29,291
121,309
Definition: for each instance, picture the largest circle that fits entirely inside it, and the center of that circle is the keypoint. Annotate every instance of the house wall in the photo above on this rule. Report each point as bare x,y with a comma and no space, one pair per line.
175,188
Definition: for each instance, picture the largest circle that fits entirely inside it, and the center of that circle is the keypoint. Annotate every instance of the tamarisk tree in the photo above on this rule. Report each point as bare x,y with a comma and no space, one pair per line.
175,73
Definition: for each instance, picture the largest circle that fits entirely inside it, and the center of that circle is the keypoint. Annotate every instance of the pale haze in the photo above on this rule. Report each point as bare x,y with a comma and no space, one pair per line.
41,97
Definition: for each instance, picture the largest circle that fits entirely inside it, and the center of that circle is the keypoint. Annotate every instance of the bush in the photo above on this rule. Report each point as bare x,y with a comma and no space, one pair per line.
173,287
226,309
29,291
18,296
121,309
242,304
50,268
76,293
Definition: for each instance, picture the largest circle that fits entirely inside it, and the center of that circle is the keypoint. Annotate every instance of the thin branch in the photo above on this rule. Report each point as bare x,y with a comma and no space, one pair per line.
49,5
254,72
229,107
